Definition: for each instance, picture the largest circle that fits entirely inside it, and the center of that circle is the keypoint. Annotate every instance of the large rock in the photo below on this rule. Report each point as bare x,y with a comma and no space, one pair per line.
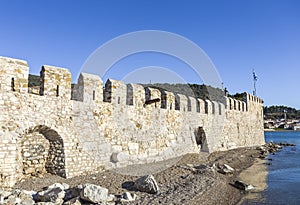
26,197
119,157
4,194
18,197
94,194
147,184
243,186
54,194
12,199
74,201
225,169
128,197
72,193
63,186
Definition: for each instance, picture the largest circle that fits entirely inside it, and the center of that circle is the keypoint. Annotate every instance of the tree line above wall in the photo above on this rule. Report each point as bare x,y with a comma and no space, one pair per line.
274,112
278,112
203,92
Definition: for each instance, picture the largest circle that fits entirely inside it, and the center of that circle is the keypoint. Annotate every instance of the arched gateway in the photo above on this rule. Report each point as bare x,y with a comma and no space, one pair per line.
42,151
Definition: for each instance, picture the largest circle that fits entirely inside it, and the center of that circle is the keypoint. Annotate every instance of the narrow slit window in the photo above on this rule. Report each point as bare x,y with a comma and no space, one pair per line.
198,106
206,107
94,95
57,90
189,105
13,84
119,100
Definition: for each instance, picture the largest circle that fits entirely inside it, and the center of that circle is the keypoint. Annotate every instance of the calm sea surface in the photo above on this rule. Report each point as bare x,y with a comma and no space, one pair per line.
283,175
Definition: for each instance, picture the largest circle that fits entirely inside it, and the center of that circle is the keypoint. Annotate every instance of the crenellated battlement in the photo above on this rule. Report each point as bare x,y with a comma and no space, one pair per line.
56,81
89,88
237,105
91,124
13,75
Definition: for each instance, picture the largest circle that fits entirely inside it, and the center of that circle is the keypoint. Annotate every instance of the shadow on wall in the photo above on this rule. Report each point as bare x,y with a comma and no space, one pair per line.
200,138
42,151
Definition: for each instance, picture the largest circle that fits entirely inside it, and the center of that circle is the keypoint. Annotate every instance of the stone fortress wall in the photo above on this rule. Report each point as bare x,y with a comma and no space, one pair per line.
70,131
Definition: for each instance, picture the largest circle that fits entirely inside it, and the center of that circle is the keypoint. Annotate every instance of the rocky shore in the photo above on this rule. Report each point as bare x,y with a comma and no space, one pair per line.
194,179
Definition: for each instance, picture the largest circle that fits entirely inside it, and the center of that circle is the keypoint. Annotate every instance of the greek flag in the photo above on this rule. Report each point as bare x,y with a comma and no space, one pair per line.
254,76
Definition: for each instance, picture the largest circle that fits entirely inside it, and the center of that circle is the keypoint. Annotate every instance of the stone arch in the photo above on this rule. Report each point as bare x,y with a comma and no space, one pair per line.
200,138
42,151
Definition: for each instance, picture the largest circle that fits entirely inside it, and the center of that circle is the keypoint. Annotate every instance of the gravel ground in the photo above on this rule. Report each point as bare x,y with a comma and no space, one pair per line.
179,183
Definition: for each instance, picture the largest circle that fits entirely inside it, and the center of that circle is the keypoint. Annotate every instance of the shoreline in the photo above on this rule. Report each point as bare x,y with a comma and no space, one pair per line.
182,183
283,130
256,175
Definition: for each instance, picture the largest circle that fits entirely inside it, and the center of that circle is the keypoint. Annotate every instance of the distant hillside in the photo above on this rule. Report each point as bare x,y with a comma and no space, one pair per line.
274,112
277,112
194,90
33,80
238,96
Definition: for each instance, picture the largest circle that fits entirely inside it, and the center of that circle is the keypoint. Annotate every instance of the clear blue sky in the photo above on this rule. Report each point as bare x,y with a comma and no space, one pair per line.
237,35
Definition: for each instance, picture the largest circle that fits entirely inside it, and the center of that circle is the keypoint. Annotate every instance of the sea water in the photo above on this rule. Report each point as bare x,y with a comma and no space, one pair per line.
283,172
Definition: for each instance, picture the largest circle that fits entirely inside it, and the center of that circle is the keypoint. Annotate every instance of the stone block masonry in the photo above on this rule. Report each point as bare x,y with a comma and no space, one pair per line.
71,131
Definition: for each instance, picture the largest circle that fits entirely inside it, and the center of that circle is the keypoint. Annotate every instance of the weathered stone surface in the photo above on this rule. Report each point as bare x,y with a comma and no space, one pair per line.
73,201
111,198
147,184
35,149
54,194
93,193
45,203
119,157
224,169
26,197
62,186
21,197
243,186
4,194
72,193
12,199
128,197
38,129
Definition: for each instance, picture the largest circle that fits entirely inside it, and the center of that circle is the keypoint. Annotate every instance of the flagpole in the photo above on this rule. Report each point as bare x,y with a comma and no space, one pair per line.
254,82
254,92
